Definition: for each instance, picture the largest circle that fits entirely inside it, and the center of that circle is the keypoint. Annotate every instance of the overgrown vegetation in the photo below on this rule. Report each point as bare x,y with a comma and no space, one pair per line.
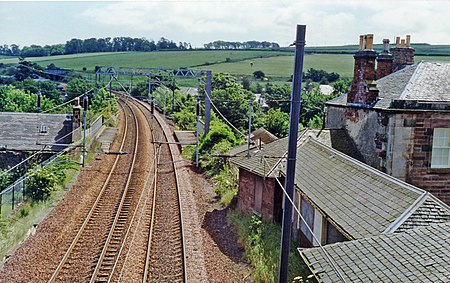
43,181
261,241
41,191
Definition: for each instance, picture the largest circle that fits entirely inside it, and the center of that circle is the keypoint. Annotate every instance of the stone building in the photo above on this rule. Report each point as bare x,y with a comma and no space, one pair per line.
339,197
397,112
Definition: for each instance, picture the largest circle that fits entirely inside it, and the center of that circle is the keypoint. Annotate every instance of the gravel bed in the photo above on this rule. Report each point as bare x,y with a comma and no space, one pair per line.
212,251
35,259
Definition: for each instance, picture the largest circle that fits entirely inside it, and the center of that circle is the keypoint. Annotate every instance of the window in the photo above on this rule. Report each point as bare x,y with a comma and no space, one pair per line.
258,195
333,235
441,148
43,130
307,212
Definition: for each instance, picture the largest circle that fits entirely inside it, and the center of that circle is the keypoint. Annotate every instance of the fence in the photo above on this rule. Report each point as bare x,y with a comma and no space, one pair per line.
15,194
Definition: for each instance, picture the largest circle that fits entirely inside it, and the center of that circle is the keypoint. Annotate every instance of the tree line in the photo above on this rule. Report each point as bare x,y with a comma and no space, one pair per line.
108,44
121,44
252,44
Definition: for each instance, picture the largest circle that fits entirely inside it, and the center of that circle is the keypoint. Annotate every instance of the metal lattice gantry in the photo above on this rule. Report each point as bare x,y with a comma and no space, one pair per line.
154,73
151,72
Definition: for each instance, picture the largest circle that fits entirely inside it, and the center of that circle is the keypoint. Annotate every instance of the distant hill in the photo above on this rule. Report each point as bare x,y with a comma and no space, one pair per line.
421,49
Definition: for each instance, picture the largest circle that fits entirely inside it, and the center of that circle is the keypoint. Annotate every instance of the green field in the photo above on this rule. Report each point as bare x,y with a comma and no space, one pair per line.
420,49
283,66
277,65
166,59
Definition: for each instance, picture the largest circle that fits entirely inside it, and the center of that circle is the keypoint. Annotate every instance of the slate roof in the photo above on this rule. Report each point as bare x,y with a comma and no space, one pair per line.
360,200
424,81
264,162
21,131
271,156
417,255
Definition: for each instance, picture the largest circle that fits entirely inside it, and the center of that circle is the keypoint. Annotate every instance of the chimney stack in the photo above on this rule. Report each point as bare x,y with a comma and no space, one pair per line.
384,61
403,53
363,91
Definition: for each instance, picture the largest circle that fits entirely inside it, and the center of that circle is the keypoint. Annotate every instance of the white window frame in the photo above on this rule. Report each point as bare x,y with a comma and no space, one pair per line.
441,148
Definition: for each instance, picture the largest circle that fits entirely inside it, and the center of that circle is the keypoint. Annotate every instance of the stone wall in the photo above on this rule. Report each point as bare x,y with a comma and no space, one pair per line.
399,144
366,127
419,171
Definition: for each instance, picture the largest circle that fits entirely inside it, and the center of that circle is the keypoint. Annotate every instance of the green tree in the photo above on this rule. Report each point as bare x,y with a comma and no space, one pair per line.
246,83
77,87
276,122
41,183
259,75
27,69
5,179
14,100
278,96
231,99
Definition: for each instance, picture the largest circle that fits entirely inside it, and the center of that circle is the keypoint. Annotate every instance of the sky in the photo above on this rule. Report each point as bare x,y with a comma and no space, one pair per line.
202,21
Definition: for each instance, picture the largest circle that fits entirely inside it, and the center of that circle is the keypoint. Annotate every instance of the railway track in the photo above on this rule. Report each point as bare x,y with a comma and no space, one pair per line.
165,249
133,231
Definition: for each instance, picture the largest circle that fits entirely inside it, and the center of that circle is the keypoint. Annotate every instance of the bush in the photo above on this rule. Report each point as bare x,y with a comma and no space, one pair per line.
259,75
41,183
261,241
218,132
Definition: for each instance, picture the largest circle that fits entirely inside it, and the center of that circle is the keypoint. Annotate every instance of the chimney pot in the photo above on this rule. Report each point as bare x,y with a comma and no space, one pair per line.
385,45
402,44
397,41
369,42
361,42
408,40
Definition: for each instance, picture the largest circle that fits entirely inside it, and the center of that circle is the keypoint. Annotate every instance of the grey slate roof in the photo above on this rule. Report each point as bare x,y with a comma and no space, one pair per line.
264,162
21,131
424,82
431,211
417,255
360,200
273,153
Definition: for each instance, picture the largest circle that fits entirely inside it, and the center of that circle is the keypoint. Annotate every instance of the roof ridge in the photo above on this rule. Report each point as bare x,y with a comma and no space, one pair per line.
370,168
406,214
299,142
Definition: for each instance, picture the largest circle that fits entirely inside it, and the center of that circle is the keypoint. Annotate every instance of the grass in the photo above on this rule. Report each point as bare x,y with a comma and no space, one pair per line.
277,65
261,241
281,67
166,59
15,228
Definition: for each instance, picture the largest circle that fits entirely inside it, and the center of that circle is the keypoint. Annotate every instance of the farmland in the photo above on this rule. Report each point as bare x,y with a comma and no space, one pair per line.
277,65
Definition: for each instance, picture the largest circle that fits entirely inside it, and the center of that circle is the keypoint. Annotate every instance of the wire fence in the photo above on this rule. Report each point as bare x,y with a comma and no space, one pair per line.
16,193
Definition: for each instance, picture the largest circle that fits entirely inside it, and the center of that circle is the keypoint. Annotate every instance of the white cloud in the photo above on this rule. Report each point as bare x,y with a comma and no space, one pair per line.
201,21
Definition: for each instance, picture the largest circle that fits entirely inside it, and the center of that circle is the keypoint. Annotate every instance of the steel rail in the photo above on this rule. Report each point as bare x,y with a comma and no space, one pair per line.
162,123
57,271
153,164
120,210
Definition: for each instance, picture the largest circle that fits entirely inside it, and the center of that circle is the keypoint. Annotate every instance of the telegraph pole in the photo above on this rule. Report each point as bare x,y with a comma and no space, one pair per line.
39,97
110,87
292,152
208,102
249,128
197,131
85,107
173,95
